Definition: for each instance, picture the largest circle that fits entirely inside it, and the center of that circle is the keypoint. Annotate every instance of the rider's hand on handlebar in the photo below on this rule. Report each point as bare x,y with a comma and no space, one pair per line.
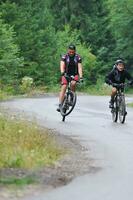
110,82
131,82
114,84
65,75
120,85
62,73
81,80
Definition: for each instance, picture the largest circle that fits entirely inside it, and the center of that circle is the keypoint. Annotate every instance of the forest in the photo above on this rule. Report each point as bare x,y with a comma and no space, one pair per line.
34,34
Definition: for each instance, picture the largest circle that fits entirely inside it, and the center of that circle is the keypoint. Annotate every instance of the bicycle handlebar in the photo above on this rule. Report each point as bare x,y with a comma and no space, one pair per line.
120,85
70,78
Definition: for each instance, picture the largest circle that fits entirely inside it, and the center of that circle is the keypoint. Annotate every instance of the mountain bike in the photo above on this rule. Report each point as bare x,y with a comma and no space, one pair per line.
69,101
119,108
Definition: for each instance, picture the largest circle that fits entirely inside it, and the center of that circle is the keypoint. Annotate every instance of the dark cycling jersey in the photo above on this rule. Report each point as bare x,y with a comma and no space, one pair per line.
71,63
116,76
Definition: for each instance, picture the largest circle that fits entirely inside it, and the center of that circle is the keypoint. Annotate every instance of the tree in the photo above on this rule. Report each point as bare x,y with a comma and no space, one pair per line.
10,61
121,22
35,36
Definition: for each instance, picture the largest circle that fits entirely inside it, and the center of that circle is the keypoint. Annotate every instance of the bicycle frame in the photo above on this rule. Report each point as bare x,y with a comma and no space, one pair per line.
119,105
67,108
120,97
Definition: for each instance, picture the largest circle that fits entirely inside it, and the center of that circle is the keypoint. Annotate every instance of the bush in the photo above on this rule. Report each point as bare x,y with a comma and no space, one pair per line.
27,83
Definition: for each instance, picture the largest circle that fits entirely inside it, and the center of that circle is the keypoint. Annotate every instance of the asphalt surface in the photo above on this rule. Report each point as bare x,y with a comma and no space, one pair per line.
110,145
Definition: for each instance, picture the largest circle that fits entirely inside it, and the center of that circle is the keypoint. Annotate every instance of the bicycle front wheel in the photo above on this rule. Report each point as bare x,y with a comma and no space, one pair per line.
115,112
122,111
68,103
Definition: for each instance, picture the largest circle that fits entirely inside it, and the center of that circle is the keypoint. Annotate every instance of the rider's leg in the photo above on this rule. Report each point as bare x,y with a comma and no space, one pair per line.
62,93
73,89
73,83
113,93
73,86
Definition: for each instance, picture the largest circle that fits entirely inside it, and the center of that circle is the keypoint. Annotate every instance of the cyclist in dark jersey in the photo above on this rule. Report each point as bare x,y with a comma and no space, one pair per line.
118,75
70,65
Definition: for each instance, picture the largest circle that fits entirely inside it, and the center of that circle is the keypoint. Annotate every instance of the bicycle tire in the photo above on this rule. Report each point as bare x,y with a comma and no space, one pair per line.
63,118
115,112
66,109
122,111
62,108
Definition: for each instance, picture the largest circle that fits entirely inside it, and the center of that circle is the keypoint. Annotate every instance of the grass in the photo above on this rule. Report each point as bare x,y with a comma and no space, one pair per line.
23,145
100,88
4,95
17,181
130,105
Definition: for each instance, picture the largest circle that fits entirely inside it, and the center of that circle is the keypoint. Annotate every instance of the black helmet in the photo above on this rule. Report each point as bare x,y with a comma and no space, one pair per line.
72,47
119,61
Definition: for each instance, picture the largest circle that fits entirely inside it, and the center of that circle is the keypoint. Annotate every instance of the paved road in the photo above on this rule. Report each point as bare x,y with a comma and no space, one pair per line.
110,145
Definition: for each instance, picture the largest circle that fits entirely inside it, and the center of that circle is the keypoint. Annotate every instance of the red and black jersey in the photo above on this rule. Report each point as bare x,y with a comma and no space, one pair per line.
71,63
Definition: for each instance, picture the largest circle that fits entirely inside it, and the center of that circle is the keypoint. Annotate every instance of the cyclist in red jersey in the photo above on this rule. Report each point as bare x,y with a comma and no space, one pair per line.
70,65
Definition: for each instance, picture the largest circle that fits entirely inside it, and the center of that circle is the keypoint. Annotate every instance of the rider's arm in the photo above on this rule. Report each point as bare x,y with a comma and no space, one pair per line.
80,70
62,67
109,78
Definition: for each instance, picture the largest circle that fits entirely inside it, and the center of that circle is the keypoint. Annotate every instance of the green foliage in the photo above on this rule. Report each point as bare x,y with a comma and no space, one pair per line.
91,18
17,181
3,95
33,35
10,62
26,85
130,105
89,64
121,22
100,88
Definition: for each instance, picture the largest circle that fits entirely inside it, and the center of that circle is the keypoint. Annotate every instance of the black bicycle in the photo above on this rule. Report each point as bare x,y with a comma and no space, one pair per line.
69,101
119,108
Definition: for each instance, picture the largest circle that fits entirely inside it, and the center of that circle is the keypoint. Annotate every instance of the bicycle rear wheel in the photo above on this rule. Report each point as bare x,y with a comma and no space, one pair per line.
122,111
68,103
115,112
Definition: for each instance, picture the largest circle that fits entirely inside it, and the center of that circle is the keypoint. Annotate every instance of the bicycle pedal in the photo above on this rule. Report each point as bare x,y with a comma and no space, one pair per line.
126,113
58,109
